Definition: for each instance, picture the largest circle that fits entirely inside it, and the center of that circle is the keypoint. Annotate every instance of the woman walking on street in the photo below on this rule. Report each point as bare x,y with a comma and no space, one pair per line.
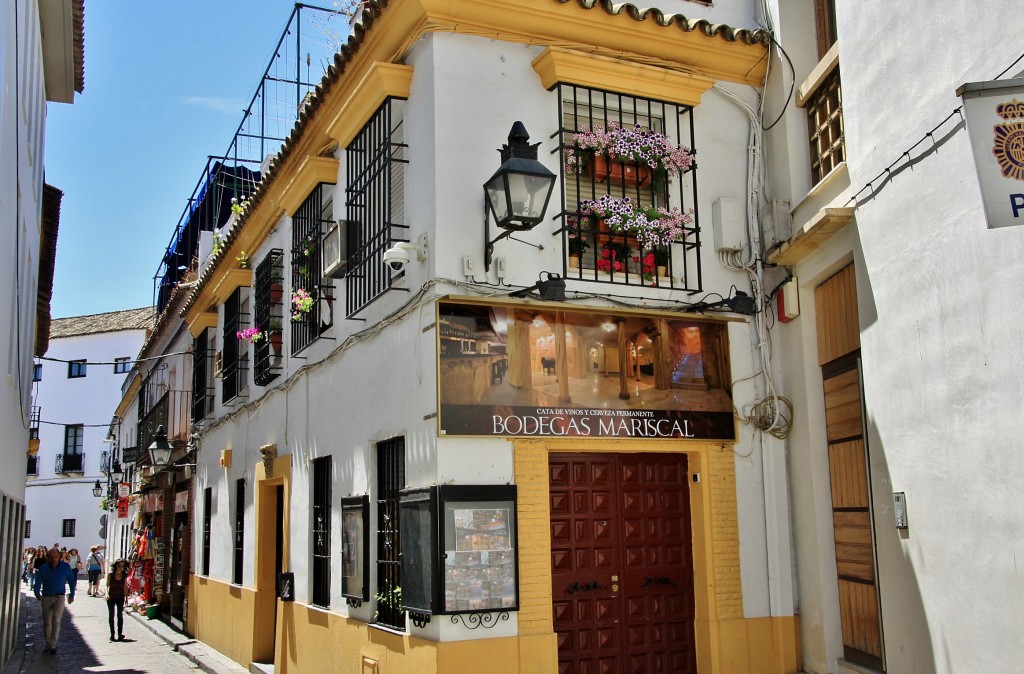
94,564
115,597
74,561
38,561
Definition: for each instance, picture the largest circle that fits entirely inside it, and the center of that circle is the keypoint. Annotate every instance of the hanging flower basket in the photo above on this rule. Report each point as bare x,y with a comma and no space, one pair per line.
618,172
302,303
641,154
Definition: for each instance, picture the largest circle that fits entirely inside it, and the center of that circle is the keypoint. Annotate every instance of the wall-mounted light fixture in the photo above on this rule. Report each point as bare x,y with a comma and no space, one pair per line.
517,194
97,489
740,303
551,288
160,449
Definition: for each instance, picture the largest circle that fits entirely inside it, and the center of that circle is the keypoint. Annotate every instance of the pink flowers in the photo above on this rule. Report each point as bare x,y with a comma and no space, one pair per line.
638,144
652,227
302,302
252,334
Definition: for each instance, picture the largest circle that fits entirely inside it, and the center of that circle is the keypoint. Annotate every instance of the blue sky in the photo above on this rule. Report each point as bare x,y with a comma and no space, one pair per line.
165,87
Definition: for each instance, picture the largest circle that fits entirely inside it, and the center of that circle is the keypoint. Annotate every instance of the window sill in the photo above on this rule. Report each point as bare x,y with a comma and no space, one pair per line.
824,68
389,630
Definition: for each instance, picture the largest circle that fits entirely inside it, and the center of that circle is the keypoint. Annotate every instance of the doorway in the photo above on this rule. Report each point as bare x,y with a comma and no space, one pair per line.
270,561
622,563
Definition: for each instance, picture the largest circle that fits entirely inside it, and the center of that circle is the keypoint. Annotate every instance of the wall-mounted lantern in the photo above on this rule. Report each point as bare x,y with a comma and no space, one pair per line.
97,489
160,450
517,194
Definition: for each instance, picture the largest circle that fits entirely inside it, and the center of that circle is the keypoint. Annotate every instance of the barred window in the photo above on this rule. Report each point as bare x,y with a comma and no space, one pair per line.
312,301
239,553
825,123
268,297
207,519
202,375
68,529
322,532
235,352
629,183
375,200
390,482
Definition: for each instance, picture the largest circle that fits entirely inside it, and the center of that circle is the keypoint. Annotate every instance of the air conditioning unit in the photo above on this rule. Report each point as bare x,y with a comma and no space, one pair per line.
218,364
333,253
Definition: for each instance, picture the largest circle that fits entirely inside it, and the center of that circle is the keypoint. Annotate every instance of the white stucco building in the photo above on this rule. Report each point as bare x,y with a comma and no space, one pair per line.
41,61
903,364
77,390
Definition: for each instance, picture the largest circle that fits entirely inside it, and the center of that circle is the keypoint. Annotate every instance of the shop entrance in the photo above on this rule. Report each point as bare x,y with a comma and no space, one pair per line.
622,563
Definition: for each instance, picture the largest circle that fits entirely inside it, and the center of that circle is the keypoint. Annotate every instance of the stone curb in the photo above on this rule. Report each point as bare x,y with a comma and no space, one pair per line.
206,658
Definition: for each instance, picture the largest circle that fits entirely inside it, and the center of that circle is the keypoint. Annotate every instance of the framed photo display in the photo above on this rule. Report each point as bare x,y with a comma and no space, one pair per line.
355,548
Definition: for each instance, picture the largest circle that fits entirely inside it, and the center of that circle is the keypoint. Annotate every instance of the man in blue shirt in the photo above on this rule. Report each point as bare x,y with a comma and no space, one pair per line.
49,589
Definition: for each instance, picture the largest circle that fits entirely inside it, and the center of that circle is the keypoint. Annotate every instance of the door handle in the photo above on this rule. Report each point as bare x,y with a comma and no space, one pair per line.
663,580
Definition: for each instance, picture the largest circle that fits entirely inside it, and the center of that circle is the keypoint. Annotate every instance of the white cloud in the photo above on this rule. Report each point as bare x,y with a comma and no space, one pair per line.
229,105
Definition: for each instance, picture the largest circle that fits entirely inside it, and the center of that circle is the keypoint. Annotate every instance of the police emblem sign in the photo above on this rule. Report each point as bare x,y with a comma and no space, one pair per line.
995,121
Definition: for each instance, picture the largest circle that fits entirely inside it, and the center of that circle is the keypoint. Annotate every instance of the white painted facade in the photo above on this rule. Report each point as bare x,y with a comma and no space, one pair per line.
939,342
31,47
53,497
341,398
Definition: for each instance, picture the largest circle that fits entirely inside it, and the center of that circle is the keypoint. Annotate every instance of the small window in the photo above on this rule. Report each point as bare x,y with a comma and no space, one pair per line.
74,437
122,365
239,530
207,517
28,528
37,372
68,529
76,369
322,532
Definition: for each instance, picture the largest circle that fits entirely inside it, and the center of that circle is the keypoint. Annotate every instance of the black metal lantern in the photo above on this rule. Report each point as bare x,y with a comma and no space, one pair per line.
160,450
517,194
116,472
97,489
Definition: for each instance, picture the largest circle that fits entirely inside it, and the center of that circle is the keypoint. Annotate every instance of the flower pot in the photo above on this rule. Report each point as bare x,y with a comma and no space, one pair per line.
662,271
574,261
153,611
619,172
276,293
276,341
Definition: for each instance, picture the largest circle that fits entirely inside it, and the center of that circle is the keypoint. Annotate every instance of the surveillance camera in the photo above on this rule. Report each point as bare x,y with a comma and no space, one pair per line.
396,258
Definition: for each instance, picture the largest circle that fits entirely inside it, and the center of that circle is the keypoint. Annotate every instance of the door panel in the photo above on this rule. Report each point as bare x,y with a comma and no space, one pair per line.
622,563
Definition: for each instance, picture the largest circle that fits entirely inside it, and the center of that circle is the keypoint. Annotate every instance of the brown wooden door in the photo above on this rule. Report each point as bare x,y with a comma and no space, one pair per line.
622,563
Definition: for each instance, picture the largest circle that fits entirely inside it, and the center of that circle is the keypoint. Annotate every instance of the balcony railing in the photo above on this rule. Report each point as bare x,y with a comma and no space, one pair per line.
104,462
172,411
33,466
33,423
70,463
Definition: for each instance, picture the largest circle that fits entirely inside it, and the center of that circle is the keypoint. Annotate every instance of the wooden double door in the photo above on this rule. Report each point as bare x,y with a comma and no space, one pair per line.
622,563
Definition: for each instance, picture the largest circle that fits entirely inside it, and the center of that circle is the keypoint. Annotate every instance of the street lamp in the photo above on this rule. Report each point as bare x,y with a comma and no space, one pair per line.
160,450
116,472
517,194
97,489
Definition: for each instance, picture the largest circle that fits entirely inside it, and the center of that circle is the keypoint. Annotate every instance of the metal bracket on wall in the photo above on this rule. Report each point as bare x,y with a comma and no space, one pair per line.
475,620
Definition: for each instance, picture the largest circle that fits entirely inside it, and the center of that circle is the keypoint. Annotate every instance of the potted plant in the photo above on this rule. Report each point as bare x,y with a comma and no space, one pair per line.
251,335
302,302
614,257
652,227
576,243
276,285
276,335
630,156
661,260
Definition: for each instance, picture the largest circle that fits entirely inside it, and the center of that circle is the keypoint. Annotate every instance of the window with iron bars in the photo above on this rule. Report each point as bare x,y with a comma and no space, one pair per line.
207,519
825,123
202,375
236,350
239,551
312,302
597,183
322,532
267,296
375,200
390,482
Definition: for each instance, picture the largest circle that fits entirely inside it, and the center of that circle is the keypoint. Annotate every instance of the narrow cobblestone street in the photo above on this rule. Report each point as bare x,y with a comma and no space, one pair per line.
84,645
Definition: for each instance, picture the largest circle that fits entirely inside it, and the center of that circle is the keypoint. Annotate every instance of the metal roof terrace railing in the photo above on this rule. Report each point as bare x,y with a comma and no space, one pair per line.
303,52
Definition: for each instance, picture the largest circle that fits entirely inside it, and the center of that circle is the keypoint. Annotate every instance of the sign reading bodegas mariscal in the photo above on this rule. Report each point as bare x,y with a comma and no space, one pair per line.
526,371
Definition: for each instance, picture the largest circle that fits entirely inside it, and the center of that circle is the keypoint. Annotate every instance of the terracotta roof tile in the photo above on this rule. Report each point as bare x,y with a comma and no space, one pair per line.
113,321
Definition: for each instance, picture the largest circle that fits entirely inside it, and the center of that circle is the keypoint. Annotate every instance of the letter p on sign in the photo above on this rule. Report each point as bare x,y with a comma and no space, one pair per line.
1016,204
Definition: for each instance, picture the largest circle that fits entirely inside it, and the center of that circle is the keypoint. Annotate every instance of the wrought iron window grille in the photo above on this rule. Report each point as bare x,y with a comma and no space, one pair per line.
322,532
239,551
390,482
825,123
375,198
595,251
269,318
202,375
235,350
311,318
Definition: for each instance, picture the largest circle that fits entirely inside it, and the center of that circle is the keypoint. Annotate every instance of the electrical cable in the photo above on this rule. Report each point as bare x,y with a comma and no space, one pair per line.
1010,66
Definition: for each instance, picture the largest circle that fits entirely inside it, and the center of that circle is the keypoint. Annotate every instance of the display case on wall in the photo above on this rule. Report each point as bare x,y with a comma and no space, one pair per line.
355,549
460,550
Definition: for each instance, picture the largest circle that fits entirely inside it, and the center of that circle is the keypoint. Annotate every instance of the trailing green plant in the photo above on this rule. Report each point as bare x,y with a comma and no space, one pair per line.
390,596
218,244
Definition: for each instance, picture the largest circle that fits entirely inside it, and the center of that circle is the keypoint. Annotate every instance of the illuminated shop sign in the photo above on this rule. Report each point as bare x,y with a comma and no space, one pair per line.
535,371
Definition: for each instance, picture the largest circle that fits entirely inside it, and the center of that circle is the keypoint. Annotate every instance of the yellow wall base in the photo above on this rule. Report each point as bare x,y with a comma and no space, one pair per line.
752,646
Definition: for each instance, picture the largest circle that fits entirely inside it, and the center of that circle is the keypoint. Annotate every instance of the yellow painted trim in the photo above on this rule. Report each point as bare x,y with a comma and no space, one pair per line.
382,81
221,615
310,173
202,321
556,65
229,283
